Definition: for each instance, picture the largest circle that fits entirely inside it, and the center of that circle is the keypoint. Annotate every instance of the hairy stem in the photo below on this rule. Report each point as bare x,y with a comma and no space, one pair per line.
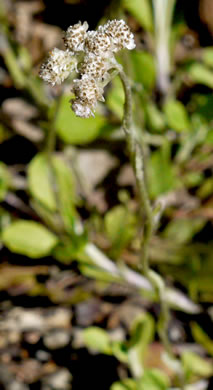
138,161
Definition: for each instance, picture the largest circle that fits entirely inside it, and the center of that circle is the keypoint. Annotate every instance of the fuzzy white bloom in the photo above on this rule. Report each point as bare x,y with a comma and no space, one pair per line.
120,34
97,58
98,43
99,49
88,90
75,36
58,66
95,67
82,109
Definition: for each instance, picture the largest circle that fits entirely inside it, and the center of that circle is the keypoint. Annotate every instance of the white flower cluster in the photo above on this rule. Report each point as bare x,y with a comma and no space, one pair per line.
97,49
58,66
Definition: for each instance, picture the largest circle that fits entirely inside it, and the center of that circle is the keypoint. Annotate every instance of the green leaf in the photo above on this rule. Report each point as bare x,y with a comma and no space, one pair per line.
161,173
142,333
208,56
39,180
209,137
97,273
120,226
182,230
97,339
153,380
196,365
144,68
66,191
202,338
155,118
4,180
200,74
46,181
142,12
115,97
70,249
29,238
206,189
193,179
119,350
202,106
74,130
176,115
126,384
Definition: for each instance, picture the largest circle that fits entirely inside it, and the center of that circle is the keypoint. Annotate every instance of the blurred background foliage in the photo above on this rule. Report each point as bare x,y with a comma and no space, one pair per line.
74,310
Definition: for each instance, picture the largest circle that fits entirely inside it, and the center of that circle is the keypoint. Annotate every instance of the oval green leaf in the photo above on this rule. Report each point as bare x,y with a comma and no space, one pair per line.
115,97
200,74
29,238
42,178
74,130
120,226
39,181
97,339
144,68
176,115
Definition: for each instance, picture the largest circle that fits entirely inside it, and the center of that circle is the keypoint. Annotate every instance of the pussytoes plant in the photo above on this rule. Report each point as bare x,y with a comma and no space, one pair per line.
89,57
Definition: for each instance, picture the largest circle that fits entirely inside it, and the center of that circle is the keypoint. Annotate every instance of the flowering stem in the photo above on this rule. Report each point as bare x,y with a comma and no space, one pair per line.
137,159
138,162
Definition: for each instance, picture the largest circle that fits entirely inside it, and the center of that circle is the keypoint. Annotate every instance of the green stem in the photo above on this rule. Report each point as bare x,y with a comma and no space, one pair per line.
137,158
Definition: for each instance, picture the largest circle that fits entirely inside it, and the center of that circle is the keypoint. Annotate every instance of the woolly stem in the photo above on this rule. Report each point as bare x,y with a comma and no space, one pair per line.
137,159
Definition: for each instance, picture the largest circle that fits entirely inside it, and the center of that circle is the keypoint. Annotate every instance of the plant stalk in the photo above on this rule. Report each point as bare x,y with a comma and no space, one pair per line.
137,159
138,162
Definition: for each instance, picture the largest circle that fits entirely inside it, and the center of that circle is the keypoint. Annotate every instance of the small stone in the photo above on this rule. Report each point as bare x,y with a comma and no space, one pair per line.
15,385
57,338
43,356
59,380
58,318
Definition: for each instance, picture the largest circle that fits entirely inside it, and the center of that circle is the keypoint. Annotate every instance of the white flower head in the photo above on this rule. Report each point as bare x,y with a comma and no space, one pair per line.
88,90
87,93
120,34
95,67
82,109
75,36
98,43
58,66
97,58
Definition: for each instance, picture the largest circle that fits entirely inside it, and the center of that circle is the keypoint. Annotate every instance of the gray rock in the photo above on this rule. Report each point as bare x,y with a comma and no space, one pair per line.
57,338
60,380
